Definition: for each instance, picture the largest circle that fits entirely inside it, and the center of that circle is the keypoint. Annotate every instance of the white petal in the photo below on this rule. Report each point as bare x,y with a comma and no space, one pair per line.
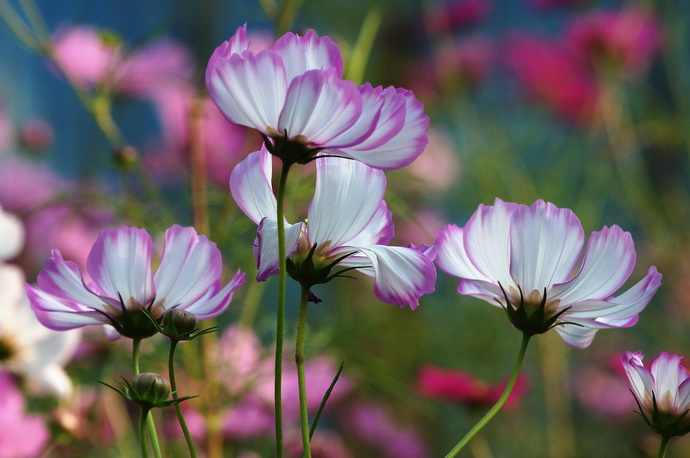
190,266
11,235
60,314
348,195
641,380
546,242
608,262
486,238
250,186
379,231
452,257
248,89
576,336
267,245
120,264
402,275
319,106
301,54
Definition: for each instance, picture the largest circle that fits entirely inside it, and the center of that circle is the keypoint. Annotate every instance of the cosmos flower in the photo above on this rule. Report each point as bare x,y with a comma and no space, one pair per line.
348,224
22,435
294,94
522,259
662,392
188,278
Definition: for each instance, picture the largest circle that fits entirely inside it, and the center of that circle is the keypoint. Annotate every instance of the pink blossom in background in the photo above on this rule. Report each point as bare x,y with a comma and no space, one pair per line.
223,144
242,361
447,15
85,55
418,229
465,389
36,134
552,76
6,131
438,169
22,435
626,39
249,418
602,387
153,66
467,61
376,427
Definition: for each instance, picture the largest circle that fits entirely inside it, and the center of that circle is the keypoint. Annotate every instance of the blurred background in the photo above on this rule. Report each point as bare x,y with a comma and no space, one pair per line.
104,120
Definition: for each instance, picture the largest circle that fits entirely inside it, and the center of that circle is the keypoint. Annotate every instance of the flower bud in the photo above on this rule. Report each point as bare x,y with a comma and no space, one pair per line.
178,324
151,388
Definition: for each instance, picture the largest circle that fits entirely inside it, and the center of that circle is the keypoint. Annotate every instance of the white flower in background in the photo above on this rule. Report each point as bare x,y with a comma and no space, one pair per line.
27,348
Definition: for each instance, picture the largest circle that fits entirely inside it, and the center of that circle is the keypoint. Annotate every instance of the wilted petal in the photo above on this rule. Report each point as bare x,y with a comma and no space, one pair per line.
608,262
250,186
189,267
120,264
319,106
249,89
301,54
267,245
402,275
348,195
545,245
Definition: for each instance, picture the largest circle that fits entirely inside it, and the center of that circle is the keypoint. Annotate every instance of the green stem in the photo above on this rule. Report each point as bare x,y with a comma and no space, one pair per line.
148,418
280,315
142,432
494,410
178,408
301,380
663,446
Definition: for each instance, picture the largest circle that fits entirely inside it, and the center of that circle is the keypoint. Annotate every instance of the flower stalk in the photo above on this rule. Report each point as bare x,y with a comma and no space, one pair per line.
499,404
301,380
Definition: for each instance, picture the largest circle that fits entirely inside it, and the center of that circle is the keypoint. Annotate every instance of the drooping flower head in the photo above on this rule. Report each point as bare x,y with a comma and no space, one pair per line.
522,258
348,226
662,392
294,94
119,264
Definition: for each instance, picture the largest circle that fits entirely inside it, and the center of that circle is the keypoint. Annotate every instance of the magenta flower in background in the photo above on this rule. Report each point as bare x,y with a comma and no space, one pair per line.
21,435
522,258
599,384
119,264
553,76
627,38
448,15
347,216
294,94
465,389
662,392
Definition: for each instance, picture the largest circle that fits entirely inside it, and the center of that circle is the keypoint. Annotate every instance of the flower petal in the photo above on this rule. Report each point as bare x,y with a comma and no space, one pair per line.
190,265
319,106
250,186
641,380
12,239
608,262
545,245
402,275
452,257
348,195
267,246
379,230
60,314
576,335
120,264
249,89
381,150
301,54
212,305
486,239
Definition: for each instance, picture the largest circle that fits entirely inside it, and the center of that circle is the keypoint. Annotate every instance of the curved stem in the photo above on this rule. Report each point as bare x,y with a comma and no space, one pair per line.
142,432
280,314
494,410
148,418
178,408
663,446
301,380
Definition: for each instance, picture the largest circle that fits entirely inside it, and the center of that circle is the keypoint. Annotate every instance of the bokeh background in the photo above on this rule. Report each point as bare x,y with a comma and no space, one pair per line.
585,104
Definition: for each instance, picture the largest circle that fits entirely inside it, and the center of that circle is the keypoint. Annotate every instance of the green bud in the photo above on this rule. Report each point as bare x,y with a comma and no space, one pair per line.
151,388
178,324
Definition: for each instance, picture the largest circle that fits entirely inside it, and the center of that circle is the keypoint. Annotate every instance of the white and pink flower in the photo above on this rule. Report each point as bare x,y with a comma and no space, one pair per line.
294,92
347,218
526,256
119,264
